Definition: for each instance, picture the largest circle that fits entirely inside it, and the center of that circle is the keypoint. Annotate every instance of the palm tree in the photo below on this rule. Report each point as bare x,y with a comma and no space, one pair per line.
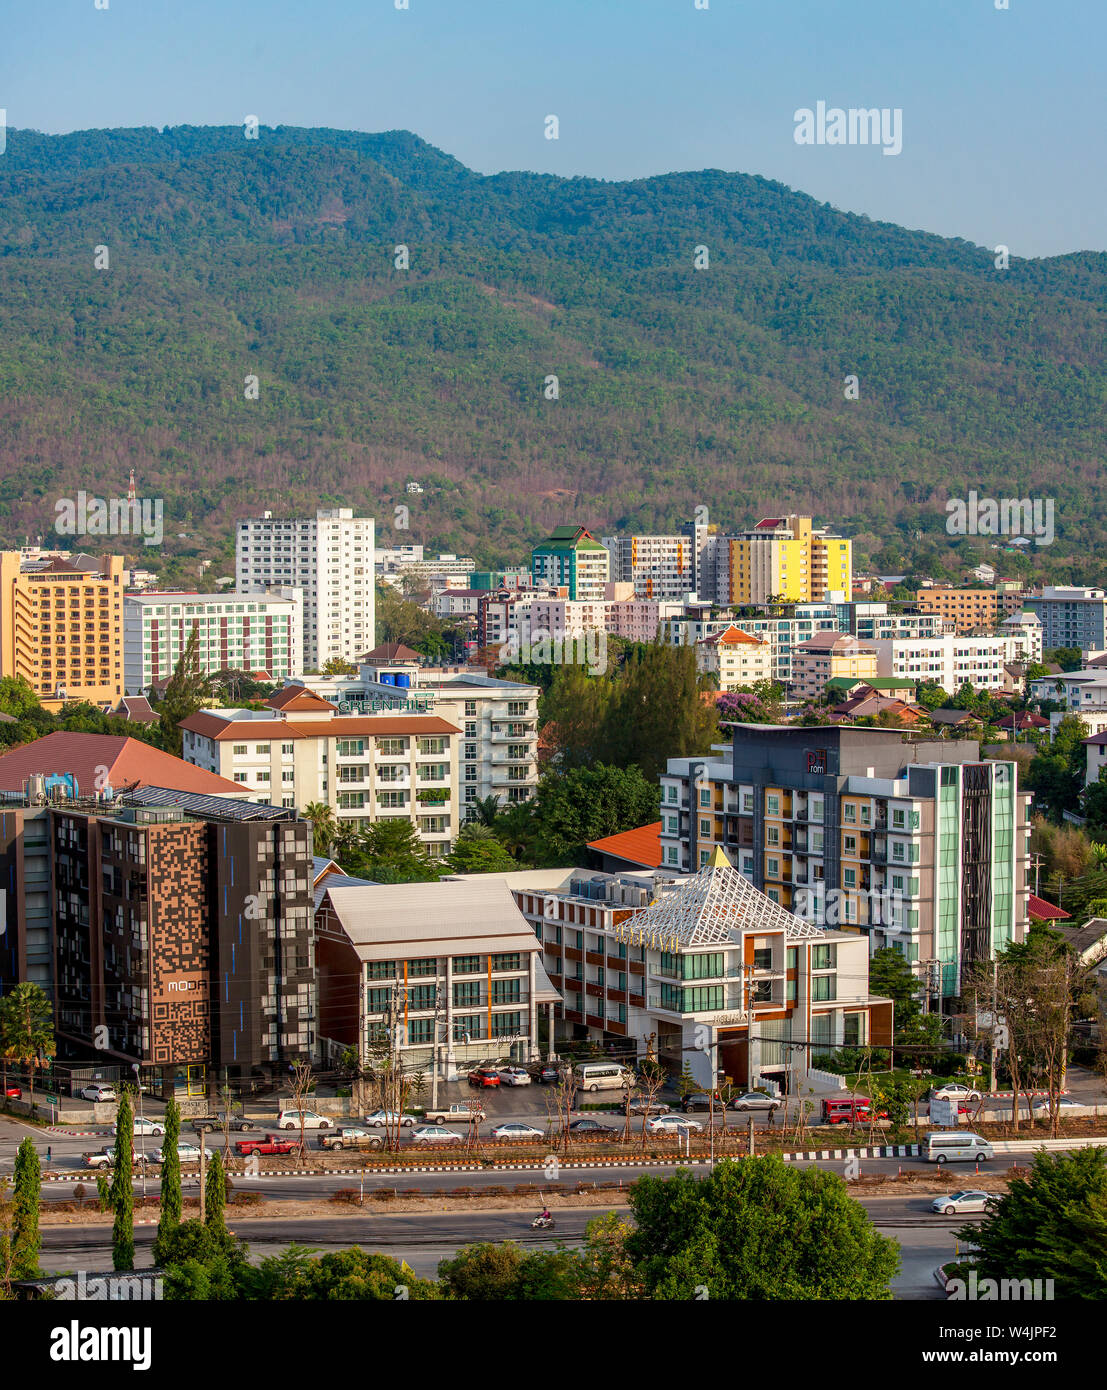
486,809
29,1029
324,828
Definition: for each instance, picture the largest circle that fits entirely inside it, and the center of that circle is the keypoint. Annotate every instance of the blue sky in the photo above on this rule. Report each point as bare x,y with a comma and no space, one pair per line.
1004,111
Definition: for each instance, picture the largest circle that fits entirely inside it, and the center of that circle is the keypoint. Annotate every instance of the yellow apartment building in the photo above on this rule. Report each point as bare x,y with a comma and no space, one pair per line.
786,558
61,627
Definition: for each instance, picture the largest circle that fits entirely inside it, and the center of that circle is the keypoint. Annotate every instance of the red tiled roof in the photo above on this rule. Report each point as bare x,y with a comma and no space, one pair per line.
1024,720
641,846
380,726
733,636
1041,911
126,760
298,697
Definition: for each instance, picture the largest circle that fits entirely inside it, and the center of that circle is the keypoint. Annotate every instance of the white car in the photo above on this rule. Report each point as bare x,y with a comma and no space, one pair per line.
514,1076
187,1153
517,1131
956,1202
144,1126
953,1090
435,1134
672,1124
99,1093
386,1119
304,1119
1041,1104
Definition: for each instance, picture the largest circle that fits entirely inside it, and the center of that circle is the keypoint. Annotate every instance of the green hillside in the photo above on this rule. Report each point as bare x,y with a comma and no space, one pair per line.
678,386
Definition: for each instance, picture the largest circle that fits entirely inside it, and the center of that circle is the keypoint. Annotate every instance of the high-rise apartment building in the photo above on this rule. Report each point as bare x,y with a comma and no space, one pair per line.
787,559
260,632
180,931
366,768
917,843
573,557
659,567
971,611
1071,617
330,557
61,627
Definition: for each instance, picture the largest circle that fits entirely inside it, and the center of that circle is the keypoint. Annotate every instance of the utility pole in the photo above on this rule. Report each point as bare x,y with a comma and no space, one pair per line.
995,1024
1037,858
203,1176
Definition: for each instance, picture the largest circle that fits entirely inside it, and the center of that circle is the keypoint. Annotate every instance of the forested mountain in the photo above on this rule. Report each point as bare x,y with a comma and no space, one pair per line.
678,386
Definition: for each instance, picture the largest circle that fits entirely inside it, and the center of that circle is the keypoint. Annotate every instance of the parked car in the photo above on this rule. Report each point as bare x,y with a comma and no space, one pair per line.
463,1114
304,1119
435,1134
13,1092
642,1105
106,1158
953,1090
204,1124
514,1076
840,1110
756,1100
517,1131
98,1093
350,1137
144,1126
545,1074
953,1203
187,1153
589,1127
268,1144
672,1124
386,1119
1041,1104
484,1076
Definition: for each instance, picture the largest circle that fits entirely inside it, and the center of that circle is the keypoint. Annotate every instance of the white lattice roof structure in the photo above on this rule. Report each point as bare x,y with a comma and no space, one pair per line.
712,907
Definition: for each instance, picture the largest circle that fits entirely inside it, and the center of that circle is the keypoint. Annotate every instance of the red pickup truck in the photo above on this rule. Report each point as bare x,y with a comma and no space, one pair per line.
267,1144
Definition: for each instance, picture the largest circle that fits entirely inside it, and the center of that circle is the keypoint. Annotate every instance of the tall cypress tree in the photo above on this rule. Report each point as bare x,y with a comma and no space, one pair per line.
122,1195
215,1193
171,1199
25,1236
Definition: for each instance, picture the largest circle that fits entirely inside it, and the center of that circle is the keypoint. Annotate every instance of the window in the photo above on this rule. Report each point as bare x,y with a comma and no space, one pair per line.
672,793
705,796
390,747
763,958
705,830
772,835
508,960
849,844
507,991
708,966
350,747
468,965
240,750
381,969
506,1025
823,988
378,1001
849,813
261,748
747,803
822,957
287,749
851,1030
849,878
427,965
772,805
899,818
702,999
421,997
240,777
772,867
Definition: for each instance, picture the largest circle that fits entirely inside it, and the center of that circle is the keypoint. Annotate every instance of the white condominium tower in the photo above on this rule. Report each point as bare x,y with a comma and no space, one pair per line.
329,557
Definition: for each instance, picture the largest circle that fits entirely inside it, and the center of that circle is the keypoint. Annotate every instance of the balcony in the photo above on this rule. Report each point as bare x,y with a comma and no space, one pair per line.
594,1021
571,953
594,991
638,1001
637,967
616,962
593,957
617,996
573,1016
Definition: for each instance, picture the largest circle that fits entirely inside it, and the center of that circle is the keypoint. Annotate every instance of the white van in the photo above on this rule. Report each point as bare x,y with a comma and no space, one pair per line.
951,1146
600,1076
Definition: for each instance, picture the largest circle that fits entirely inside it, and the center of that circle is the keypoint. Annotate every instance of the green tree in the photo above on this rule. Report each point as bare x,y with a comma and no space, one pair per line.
17,697
758,1229
1068,658
215,1193
204,1263
336,666
185,693
477,851
388,851
657,712
122,1194
586,804
25,1240
171,1195
28,1029
573,714
930,695
1050,1225
486,1272
1056,775
324,828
